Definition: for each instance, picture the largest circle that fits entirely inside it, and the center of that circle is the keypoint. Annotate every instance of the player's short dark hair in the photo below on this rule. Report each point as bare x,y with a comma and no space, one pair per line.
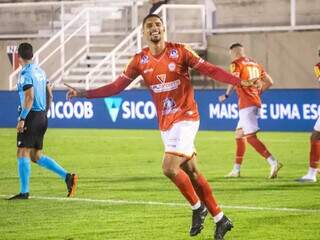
150,16
234,45
25,51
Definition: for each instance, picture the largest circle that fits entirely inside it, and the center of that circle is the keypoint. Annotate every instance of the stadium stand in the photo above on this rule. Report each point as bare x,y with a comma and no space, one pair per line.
108,27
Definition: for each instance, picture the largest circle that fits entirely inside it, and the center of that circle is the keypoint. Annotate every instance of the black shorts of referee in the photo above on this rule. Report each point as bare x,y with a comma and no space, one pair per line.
35,127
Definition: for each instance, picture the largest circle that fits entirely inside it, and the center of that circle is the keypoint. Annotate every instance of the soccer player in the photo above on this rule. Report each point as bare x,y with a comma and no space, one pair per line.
35,98
314,158
249,106
164,67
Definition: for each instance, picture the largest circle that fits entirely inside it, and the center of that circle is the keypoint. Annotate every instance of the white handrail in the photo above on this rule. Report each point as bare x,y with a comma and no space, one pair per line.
74,57
106,59
62,44
63,41
98,69
41,49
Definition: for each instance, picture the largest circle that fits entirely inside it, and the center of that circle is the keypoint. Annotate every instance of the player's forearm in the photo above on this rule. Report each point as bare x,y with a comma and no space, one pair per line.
267,83
229,89
265,87
217,73
110,89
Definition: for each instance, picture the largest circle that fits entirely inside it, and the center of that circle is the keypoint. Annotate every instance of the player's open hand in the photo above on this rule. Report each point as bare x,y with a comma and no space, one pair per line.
73,92
222,98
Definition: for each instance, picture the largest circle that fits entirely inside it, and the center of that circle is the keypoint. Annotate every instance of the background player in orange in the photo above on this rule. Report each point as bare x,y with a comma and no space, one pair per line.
314,159
164,67
249,104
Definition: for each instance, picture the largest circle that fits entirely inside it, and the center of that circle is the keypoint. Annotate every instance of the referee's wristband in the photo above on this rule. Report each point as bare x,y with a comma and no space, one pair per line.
226,95
24,113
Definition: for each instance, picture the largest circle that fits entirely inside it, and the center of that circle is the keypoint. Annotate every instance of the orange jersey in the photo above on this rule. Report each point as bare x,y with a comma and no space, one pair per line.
246,69
167,77
317,71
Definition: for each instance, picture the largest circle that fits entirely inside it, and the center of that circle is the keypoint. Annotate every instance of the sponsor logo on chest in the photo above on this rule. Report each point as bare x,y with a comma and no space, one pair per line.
163,86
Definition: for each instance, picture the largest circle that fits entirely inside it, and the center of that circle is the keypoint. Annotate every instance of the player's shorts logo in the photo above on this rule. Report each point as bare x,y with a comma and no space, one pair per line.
172,66
174,54
144,59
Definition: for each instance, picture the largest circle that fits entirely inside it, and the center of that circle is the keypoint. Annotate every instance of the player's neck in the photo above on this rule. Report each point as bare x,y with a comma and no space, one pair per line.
157,48
23,63
238,56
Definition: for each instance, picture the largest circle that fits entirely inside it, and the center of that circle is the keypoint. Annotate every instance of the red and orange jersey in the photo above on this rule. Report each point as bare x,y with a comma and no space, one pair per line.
317,71
246,69
167,77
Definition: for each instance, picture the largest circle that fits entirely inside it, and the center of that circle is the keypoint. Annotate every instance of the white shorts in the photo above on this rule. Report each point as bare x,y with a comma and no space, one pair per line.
317,125
248,119
179,139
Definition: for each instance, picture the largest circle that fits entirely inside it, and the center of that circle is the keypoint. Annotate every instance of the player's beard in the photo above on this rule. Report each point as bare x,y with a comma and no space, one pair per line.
155,39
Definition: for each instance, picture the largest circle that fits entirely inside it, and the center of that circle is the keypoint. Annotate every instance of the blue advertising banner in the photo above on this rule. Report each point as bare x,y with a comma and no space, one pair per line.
283,110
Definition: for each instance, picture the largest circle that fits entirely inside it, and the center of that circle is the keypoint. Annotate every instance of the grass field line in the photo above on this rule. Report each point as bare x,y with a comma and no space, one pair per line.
132,202
198,138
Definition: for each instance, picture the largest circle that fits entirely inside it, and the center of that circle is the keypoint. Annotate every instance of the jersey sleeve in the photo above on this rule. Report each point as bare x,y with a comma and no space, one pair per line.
191,58
317,71
131,71
26,81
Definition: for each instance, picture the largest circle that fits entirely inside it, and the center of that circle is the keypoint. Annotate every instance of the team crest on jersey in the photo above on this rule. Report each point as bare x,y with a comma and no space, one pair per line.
172,66
162,78
174,54
144,59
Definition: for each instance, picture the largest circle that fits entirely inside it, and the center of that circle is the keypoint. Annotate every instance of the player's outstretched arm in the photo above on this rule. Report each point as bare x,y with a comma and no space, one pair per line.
216,73
73,92
108,90
223,98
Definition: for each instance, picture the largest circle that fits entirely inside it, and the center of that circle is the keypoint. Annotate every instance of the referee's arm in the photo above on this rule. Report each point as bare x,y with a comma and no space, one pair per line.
27,105
49,96
28,98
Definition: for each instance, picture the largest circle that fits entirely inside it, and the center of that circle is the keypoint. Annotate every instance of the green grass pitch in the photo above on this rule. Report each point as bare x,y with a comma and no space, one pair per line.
126,165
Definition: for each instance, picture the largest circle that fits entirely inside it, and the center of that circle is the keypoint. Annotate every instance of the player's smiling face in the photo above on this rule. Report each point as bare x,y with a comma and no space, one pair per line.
153,30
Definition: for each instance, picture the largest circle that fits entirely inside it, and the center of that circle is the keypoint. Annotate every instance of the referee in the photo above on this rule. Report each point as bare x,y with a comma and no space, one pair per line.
35,99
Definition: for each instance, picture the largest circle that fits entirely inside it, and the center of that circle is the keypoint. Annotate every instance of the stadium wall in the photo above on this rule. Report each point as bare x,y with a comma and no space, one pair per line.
283,110
288,57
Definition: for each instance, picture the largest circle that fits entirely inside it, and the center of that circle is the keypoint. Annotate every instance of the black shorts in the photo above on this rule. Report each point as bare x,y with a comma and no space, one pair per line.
36,125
